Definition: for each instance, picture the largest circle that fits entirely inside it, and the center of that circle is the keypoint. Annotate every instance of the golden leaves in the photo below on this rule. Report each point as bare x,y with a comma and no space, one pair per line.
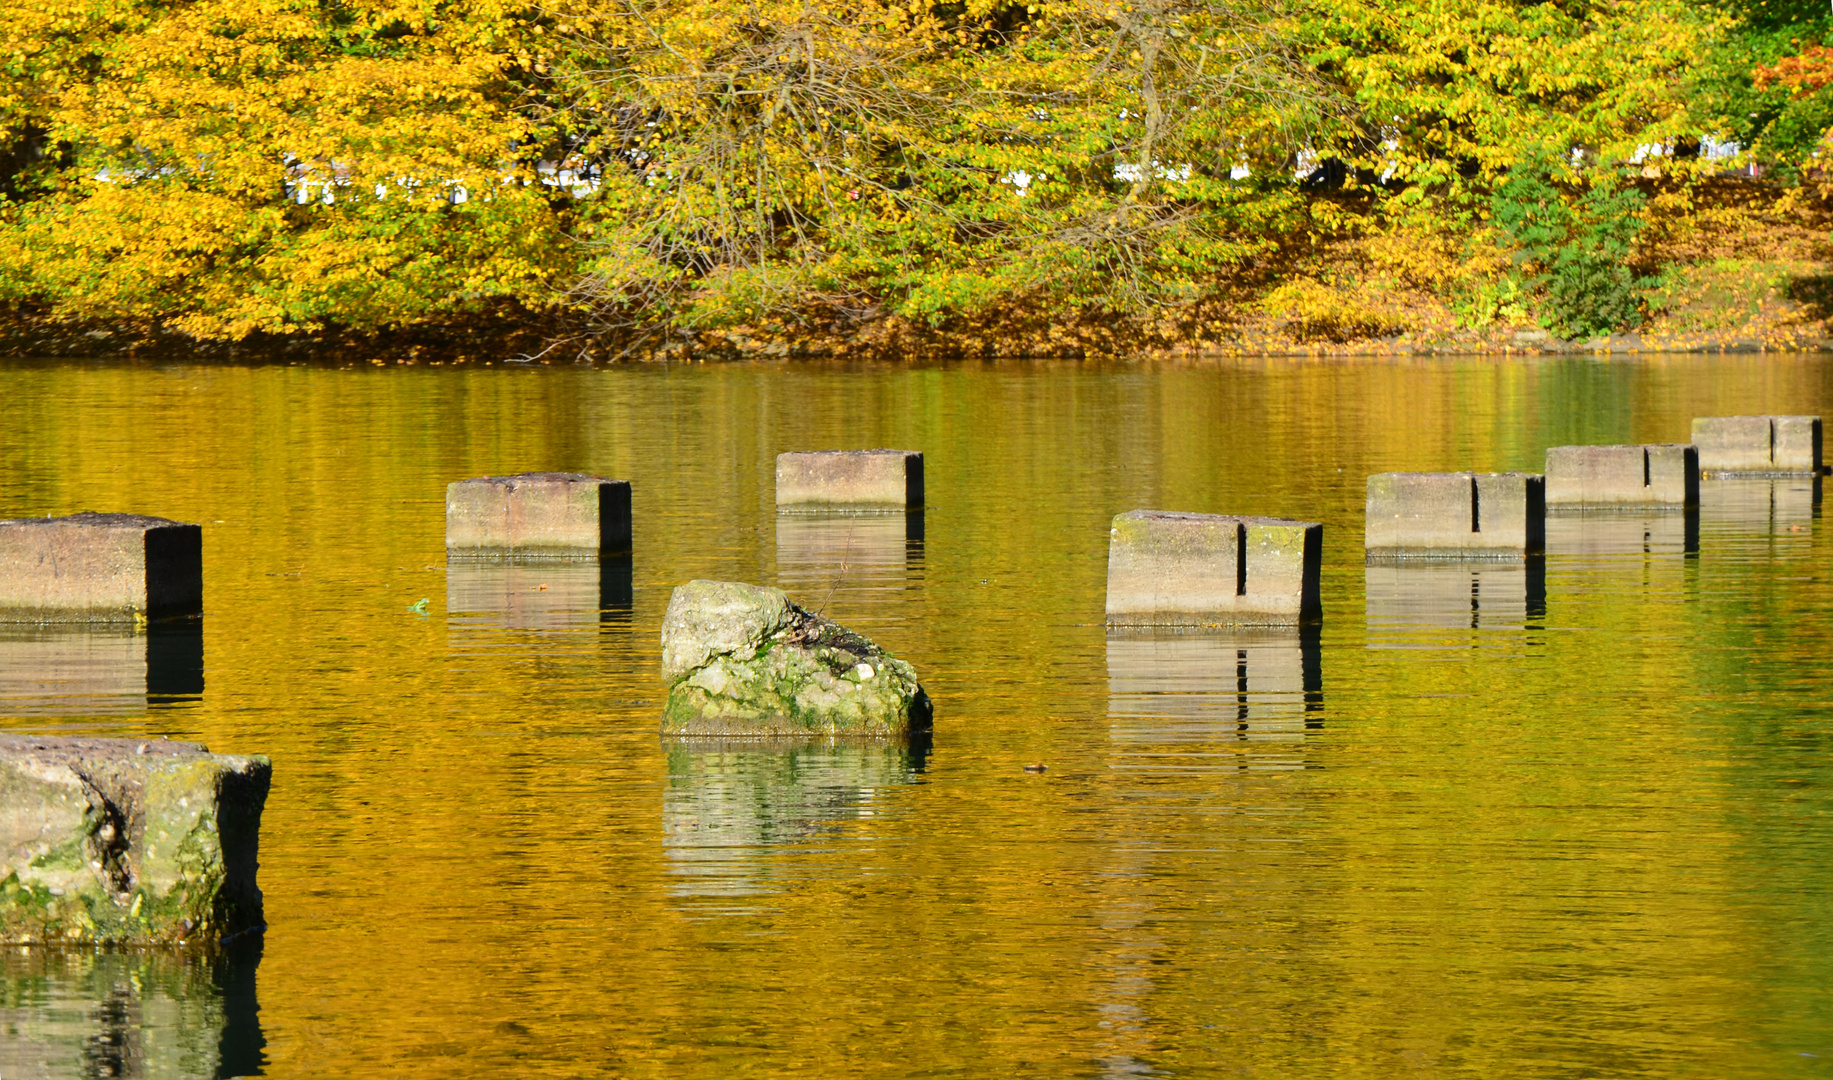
244,165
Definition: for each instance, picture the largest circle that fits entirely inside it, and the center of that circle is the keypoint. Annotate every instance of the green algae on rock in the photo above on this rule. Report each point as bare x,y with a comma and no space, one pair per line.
127,842
746,660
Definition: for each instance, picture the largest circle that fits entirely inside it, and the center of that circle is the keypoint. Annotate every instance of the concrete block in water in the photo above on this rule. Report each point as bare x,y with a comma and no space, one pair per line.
860,480
1629,477
745,660
1166,568
1763,445
1455,515
99,568
127,841
538,515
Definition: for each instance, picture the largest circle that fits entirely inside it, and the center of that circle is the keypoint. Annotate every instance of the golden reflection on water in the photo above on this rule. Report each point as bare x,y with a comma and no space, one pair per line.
1563,820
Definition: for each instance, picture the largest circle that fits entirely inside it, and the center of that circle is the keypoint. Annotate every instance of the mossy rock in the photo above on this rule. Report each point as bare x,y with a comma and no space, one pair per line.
127,842
746,660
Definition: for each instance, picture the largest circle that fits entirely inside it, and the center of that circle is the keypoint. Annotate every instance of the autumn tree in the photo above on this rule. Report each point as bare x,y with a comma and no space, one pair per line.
1767,117
228,167
757,159
1805,74
231,166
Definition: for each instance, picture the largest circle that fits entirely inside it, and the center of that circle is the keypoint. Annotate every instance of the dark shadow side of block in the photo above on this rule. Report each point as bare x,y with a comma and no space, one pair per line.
174,571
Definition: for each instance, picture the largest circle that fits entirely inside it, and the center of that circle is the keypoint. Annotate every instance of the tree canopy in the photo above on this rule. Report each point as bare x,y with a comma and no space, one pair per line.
228,167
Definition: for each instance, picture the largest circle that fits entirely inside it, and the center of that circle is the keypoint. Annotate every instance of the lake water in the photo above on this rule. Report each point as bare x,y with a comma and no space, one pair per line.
1571,820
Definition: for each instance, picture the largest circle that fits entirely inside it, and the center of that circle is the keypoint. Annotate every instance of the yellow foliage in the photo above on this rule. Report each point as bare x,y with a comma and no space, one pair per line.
233,166
1312,310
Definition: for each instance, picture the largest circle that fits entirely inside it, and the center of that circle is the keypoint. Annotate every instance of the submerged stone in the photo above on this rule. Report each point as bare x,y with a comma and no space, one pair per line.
850,480
746,660
1758,445
537,516
1455,515
127,841
122,568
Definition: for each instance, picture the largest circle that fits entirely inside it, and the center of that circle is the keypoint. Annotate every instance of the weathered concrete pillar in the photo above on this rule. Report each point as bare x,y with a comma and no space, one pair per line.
127,841
1455,515
538,515
856,480
1662,475
99,568
1764,445
1166,568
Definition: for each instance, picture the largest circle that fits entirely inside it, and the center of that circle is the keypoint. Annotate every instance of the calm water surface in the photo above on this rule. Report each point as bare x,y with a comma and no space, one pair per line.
1563,821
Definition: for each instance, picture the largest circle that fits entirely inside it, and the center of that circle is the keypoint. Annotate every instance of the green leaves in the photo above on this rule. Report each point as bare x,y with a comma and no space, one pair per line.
228,167
1577,249
931,162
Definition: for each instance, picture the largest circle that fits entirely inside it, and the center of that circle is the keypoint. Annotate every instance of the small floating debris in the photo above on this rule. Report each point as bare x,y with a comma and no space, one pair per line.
1036,766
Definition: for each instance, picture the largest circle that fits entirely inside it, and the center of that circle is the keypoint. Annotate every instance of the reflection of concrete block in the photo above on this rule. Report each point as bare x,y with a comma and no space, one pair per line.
1760,503
816,550
99,568
1455,515
1198,701
1172,569
68,671
1625,476
855,568
1650,532
1776,445
1456,596
537,515
850,480
571,594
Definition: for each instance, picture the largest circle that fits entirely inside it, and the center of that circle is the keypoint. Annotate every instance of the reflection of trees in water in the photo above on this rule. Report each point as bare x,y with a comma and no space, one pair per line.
730,802
153,1015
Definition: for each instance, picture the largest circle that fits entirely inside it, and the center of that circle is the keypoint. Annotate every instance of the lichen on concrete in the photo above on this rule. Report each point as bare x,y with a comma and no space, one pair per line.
746,660
127,842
